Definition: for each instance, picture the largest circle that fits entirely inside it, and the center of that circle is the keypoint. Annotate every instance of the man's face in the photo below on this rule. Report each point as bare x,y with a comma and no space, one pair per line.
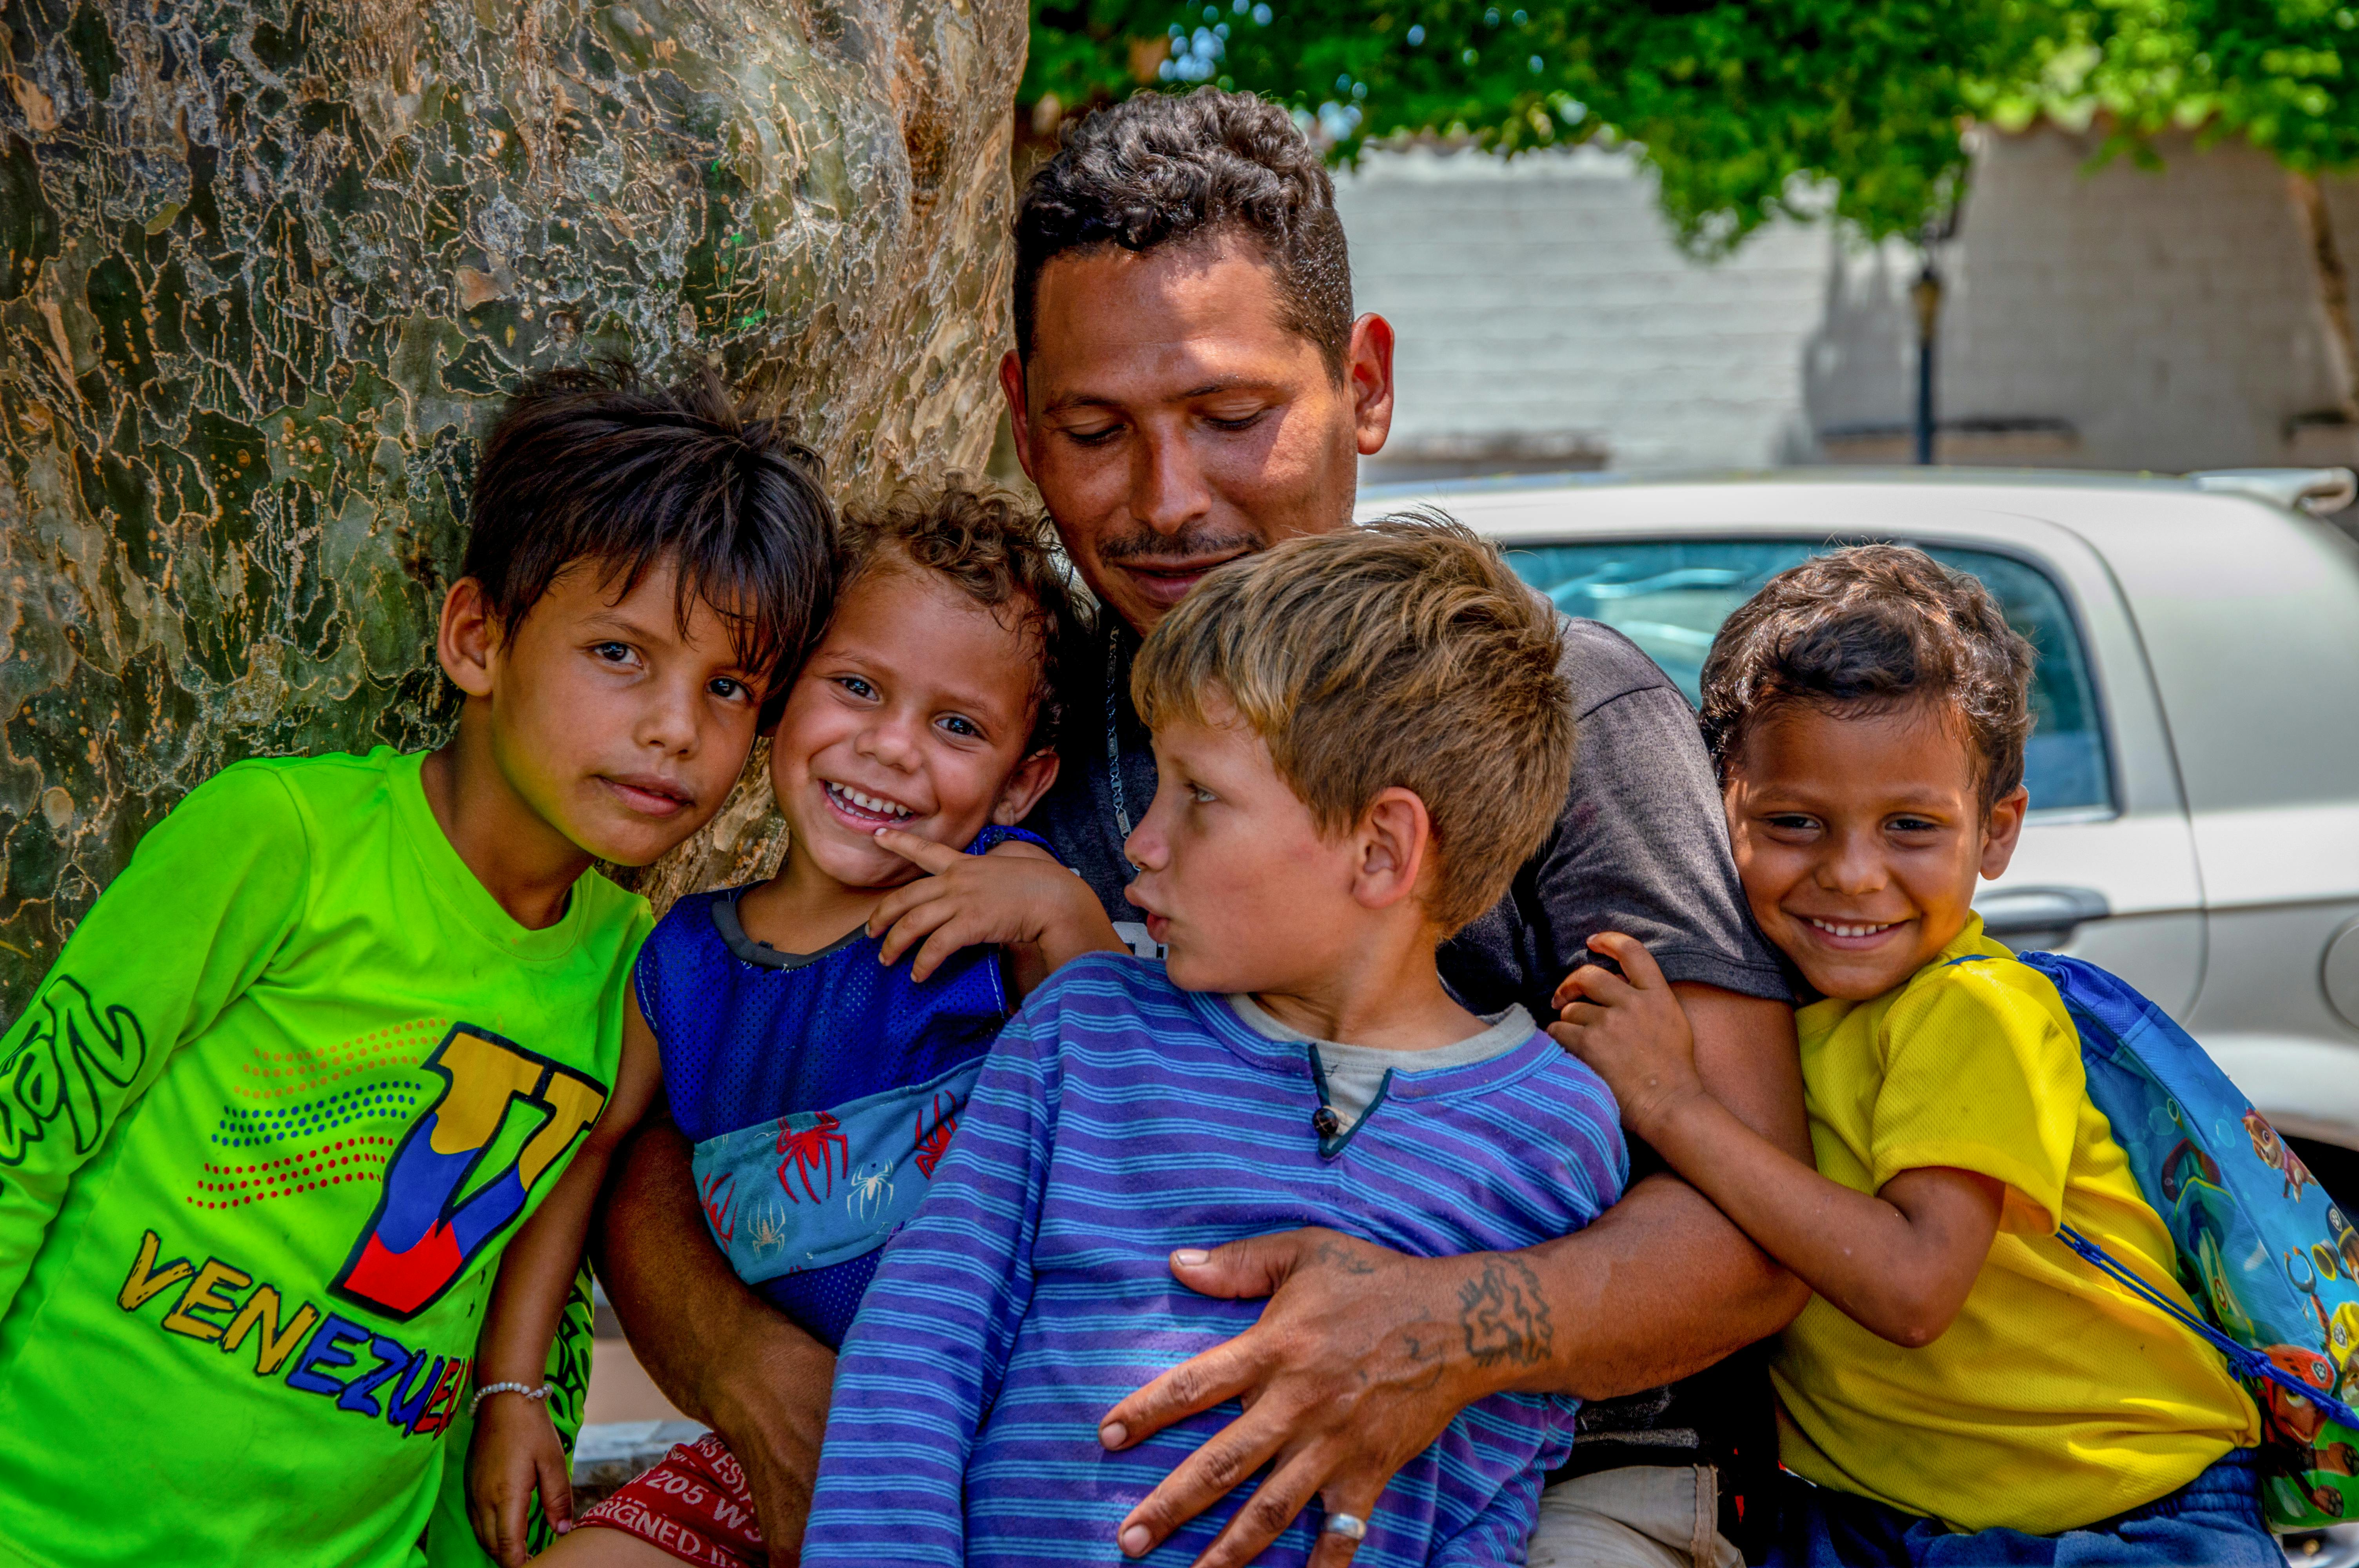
1173,424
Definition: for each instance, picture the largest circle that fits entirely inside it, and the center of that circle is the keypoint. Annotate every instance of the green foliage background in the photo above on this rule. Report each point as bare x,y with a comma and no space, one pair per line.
1745,110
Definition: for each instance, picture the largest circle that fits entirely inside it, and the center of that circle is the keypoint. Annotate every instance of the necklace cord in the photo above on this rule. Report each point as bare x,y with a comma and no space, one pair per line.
1114,743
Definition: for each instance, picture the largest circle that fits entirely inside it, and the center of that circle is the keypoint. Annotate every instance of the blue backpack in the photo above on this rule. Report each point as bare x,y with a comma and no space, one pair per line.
2271,1260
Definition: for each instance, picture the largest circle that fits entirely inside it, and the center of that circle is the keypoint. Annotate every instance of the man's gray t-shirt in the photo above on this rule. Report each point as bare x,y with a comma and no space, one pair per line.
1641,848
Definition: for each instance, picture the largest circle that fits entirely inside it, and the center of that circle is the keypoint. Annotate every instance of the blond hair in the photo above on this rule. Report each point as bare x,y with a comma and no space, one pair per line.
1401,653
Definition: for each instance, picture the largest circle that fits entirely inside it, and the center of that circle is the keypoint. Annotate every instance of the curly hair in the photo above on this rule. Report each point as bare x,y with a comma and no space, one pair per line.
1407,654
1865,631
1157,169
991,547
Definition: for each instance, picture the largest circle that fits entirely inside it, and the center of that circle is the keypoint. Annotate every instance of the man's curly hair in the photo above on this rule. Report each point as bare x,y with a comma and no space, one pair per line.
1867,631
1157,169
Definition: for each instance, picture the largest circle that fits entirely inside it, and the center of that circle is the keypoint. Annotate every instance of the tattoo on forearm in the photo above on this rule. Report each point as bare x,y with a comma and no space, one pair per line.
1505,1317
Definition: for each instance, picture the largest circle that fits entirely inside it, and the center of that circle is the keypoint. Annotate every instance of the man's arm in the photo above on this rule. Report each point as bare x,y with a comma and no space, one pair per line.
1898,1261
1363,1355
718,1351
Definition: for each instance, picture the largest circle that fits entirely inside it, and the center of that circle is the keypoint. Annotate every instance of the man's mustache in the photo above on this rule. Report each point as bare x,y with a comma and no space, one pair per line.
1185,546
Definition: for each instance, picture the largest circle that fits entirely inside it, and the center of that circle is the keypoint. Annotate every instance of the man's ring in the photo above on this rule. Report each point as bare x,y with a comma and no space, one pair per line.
1351,1527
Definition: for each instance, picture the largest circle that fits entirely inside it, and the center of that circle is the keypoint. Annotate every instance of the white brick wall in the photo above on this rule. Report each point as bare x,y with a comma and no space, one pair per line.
1542,296
2169,319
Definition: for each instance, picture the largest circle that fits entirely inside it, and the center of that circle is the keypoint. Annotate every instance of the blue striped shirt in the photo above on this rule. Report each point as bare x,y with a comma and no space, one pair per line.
1119,1117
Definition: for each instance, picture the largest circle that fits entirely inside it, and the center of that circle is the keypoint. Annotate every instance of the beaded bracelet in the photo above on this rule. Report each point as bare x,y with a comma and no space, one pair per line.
526,1390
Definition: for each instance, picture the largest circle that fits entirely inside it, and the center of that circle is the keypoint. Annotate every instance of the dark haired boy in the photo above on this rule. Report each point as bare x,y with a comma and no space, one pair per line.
1963,1390
343,1021
820,1075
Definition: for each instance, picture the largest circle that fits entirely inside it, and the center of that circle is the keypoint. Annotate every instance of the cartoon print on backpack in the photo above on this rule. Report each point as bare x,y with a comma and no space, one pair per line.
2294,1423
2186,1165
2280,1291
2277,1156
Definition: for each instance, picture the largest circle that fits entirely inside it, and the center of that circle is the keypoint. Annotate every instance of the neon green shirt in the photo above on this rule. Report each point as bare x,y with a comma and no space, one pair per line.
264,1133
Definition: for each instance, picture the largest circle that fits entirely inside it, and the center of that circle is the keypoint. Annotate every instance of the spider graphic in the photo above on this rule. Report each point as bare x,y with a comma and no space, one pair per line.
931,1146
719,1203
815,1147
871,1190
768,1230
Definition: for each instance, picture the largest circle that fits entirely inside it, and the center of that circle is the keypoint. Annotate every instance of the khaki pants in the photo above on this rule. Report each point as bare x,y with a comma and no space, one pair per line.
1646,1516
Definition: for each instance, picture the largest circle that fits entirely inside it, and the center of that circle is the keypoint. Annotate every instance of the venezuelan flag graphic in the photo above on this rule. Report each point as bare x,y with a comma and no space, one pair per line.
423,1234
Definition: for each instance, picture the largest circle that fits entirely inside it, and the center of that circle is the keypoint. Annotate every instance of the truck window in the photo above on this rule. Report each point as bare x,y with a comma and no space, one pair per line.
1669,598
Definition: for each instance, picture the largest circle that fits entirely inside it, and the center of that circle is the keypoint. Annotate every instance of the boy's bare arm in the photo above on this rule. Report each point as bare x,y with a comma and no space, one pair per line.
718,1351
1898,1261
1363,1355
514,1448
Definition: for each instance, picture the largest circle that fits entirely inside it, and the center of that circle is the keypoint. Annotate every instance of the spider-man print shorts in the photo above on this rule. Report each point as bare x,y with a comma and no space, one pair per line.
693,1505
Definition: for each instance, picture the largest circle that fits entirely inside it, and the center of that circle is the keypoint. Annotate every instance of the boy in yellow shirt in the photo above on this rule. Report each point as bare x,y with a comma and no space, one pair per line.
1964,1390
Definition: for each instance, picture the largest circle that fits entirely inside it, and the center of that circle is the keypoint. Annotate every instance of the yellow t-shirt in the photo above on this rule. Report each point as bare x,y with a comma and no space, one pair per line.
2055,1399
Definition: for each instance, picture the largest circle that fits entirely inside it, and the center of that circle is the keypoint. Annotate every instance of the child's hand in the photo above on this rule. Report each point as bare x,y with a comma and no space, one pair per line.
1015,895
515,1452
1631,1031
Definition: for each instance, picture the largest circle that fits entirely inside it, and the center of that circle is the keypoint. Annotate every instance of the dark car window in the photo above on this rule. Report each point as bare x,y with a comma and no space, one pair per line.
1670,598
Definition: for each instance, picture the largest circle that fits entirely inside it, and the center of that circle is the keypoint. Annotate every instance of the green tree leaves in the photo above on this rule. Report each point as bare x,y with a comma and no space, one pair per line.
1747,111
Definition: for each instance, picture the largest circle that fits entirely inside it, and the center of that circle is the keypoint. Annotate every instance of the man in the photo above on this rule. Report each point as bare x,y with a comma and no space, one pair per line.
1189,385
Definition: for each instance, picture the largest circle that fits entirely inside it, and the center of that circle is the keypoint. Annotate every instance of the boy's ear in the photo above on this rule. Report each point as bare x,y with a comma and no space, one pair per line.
469,638
1396,844
1025,787
2002,831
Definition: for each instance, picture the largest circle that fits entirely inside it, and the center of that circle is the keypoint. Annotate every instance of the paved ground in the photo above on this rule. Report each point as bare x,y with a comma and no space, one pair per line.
620,1390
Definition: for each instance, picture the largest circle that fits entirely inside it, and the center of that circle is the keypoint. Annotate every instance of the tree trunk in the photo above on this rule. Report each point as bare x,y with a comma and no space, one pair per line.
2333,289
266,268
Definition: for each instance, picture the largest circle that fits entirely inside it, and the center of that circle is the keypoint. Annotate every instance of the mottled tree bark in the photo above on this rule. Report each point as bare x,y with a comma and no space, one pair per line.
267,267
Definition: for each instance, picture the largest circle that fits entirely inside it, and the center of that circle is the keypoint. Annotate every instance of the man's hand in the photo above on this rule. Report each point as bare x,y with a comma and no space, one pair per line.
1016,896
1631,1032
1360,1360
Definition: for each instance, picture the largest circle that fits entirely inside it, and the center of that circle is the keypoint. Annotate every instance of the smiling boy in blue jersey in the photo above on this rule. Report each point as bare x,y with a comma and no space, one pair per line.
817,1034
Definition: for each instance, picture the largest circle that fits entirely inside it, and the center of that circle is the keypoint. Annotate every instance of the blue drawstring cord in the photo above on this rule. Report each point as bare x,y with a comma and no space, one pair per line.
2245,1360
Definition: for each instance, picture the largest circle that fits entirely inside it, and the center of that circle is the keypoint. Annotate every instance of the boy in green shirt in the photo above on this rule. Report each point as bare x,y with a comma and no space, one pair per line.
345,1023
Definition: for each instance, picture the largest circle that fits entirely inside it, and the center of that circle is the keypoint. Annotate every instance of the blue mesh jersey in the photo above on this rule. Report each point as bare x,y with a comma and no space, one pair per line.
820,1089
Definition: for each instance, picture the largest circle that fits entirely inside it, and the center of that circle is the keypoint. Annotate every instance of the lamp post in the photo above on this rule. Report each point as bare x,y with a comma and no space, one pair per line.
1925,294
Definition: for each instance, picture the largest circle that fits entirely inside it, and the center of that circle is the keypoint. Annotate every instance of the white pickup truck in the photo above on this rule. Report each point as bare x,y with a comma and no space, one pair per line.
2195,772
